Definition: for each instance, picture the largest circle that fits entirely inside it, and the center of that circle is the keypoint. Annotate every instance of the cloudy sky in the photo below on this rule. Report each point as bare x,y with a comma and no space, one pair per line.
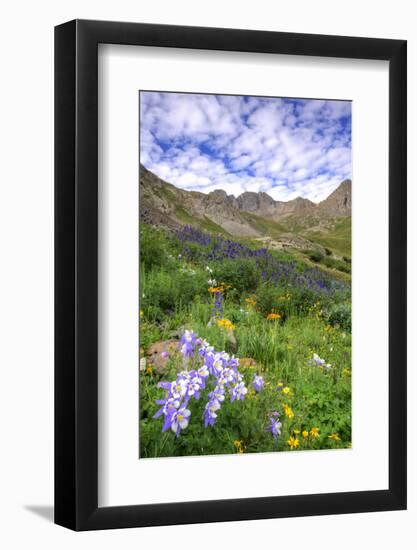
285,147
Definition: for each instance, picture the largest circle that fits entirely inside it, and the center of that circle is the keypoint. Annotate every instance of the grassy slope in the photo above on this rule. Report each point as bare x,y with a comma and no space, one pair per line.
338,240
265,227
205,224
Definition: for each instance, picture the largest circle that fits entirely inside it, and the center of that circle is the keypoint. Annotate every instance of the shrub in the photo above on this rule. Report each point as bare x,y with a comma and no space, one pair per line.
337,264
241,273
341,315
153,246
316,256
165,292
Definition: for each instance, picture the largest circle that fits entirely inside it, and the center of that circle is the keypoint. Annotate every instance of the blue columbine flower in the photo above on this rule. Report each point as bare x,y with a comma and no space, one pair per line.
316,360
217,394
188,343
238,391
189,383
258,382
275,424
169,405
210,414
179,420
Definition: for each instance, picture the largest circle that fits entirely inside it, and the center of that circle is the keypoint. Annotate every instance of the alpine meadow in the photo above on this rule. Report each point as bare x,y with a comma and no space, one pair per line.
244,274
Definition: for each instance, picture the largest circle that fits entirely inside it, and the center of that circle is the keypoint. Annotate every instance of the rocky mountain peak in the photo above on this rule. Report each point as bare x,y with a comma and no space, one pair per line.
339,203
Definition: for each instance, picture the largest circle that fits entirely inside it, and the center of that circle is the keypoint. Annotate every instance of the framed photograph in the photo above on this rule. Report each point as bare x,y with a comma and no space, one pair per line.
230,244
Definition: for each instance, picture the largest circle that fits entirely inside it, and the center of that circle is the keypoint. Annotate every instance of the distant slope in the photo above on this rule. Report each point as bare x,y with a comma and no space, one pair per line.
337,238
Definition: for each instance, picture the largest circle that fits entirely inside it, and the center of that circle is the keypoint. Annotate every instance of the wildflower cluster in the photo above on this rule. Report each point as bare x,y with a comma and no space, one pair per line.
225,323
219,367
272,270
317,361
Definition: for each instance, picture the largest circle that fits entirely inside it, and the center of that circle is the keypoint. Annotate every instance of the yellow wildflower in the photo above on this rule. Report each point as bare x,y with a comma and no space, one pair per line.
305,434
314,432
149,370
334,437
250,301
288,411
225,323
273,316
280,384
293,442
286,390
215,289
296,432
238,445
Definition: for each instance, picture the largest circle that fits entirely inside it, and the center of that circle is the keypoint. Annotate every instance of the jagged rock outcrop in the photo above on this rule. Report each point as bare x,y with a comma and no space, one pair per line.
338,203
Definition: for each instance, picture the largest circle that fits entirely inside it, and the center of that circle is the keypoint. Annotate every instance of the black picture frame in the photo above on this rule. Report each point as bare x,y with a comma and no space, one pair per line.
76,272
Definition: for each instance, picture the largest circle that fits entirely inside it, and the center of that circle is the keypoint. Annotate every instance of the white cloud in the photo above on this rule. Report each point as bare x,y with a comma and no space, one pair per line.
286,147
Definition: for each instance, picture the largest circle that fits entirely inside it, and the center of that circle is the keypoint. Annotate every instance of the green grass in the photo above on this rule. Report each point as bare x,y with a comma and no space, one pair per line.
338,240
264,226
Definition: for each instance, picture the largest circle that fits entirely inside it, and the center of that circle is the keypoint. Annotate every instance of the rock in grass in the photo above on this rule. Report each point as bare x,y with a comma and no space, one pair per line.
231,342
159,353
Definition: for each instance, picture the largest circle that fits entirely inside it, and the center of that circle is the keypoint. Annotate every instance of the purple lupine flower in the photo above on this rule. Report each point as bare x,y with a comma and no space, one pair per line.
275,425
277,272
258,382
164,355
238,391
179,420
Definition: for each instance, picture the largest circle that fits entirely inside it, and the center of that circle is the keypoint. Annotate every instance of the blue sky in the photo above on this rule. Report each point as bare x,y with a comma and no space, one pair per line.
282,146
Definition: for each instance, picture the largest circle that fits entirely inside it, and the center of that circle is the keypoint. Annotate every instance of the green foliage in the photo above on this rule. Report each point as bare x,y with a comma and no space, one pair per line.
340,315
242,274
285,301
316,256
164,292
337,264
153,246
338,239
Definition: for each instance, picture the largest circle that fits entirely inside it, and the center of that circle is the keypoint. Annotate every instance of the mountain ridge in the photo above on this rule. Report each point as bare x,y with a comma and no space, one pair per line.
249,215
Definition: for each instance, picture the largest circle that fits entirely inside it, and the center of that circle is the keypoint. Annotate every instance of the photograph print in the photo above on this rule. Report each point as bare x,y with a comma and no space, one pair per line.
244,274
